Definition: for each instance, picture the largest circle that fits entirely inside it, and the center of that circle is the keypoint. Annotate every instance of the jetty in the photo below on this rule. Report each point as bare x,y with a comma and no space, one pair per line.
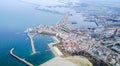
23,60
32,43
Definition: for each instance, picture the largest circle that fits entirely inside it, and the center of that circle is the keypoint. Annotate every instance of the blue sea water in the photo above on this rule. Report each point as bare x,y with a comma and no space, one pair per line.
15,18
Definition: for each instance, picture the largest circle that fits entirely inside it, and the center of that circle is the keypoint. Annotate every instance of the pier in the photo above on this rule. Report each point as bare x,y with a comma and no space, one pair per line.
32,43
23,60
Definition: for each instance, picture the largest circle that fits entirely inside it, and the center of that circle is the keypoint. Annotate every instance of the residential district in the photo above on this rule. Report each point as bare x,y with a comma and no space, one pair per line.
101,42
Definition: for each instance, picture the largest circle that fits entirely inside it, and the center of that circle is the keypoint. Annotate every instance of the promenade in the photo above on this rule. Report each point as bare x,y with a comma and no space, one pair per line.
23,60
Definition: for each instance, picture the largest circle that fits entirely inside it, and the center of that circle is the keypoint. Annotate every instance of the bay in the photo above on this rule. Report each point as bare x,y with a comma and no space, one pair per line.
15,18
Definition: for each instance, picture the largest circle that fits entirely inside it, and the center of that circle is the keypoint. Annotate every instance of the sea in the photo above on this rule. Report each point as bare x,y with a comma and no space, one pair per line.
15,17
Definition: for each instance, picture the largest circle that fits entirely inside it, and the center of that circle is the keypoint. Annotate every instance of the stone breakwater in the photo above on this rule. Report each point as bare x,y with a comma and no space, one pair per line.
22,60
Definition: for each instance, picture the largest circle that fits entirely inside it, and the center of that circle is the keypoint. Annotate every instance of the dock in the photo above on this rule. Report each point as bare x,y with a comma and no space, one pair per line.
32,44
23,60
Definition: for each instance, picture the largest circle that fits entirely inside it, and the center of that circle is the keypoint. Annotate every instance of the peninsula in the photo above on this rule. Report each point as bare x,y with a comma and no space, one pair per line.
88,42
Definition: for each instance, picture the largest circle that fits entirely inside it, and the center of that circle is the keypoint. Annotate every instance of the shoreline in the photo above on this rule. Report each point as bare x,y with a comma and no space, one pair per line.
54,49
59,56
56,39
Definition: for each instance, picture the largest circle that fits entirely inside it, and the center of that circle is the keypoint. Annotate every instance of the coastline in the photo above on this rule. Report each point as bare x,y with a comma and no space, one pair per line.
54,49
58,54
58,60
56,39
